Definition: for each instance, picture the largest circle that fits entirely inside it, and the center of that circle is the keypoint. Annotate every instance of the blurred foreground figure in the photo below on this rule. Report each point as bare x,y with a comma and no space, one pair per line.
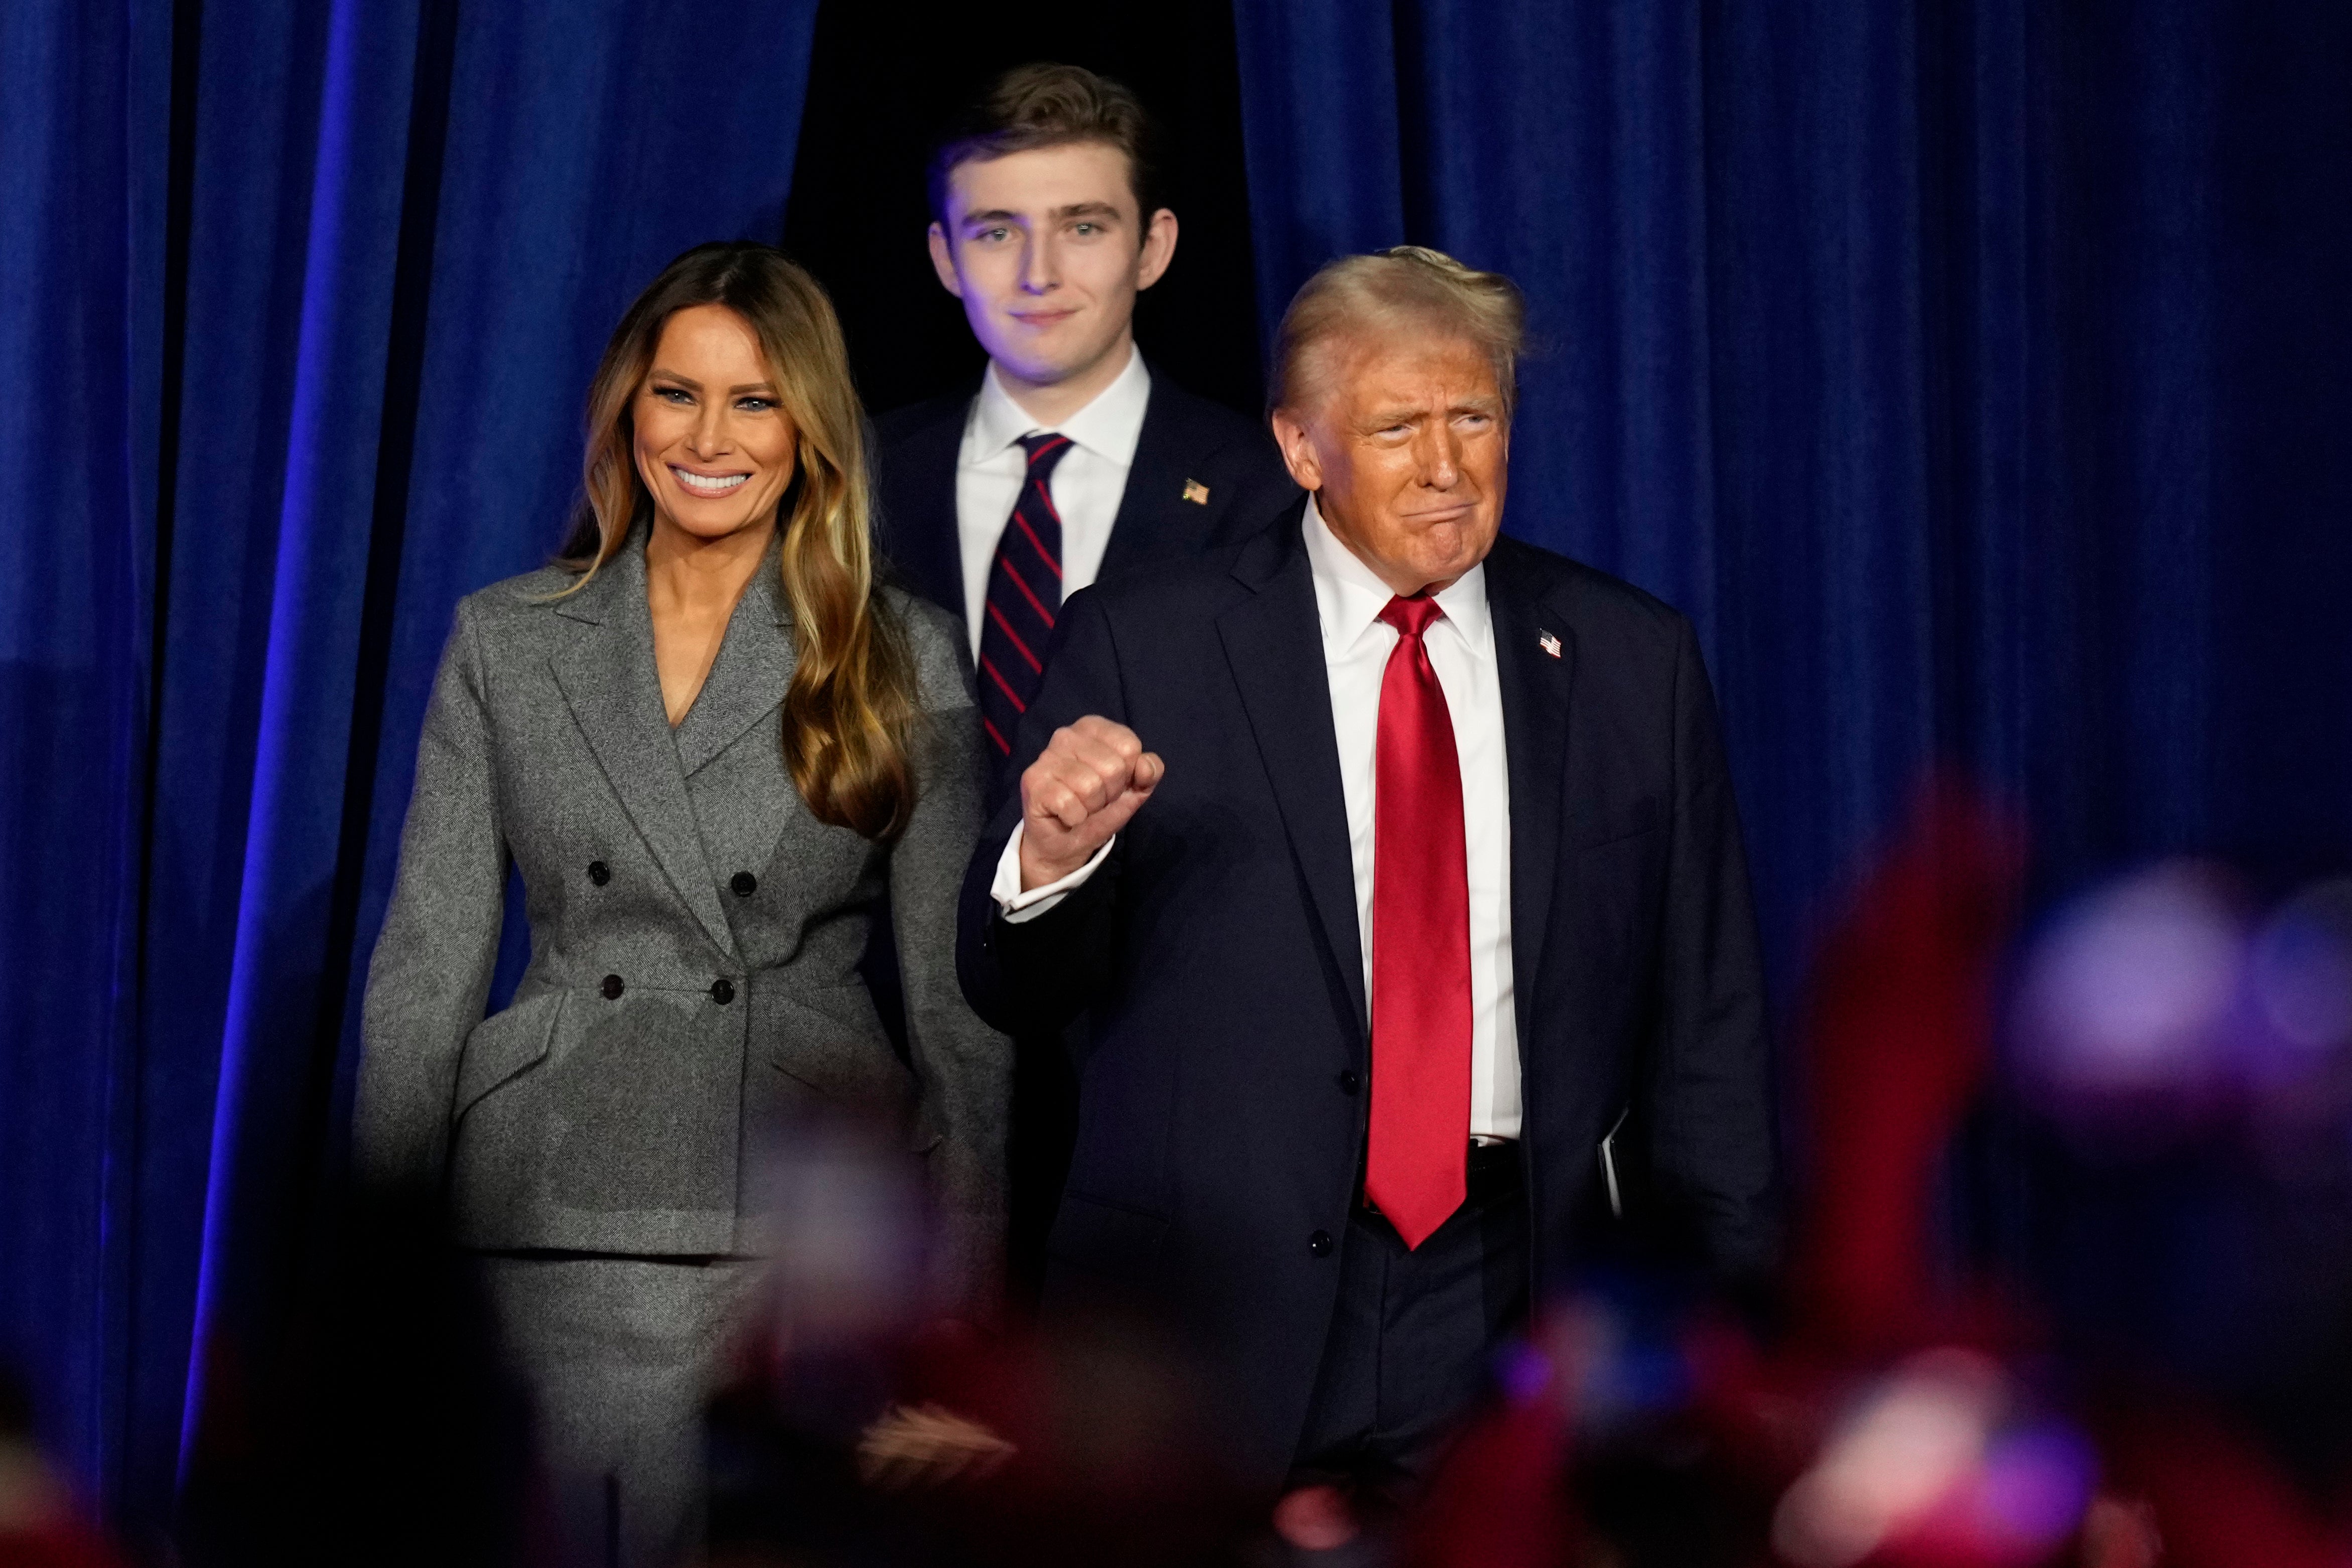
856,1433
1395,864
2175,1072
382,1429
40,1524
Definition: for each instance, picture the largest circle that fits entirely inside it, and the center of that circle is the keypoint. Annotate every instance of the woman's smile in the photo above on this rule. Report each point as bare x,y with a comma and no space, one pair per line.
700,484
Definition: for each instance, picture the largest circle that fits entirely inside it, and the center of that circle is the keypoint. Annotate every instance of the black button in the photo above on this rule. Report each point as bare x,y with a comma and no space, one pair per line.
1319,1244
599,873
744,884
611,987
1350,1082
722,990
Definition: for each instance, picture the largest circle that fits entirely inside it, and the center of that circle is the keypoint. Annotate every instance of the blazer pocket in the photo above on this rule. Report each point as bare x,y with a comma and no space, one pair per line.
831,1040
1629,820
505,1046
1106,1239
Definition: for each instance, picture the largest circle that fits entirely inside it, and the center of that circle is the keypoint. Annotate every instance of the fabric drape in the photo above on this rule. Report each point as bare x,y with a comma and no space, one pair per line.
312,295
1965,370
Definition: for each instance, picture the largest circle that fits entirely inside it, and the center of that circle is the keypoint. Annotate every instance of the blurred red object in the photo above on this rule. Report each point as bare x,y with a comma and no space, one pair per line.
57,1546
1897,1034
2215,1501
1498,1501
39,1526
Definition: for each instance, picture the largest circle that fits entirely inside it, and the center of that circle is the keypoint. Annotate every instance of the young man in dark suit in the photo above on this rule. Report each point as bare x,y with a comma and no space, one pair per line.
1394,862
1070,461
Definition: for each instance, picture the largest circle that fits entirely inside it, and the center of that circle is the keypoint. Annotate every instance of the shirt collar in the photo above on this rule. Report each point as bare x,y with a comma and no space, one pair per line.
1109,426
1349,595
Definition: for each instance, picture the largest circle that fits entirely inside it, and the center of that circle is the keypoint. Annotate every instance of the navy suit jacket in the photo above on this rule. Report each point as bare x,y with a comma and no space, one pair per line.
1221,1124
1186,441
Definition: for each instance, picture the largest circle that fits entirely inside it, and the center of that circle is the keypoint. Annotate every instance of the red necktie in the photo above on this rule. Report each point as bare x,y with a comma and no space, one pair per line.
1421,945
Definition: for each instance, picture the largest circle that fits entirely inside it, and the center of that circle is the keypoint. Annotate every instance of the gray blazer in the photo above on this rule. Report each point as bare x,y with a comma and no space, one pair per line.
695,936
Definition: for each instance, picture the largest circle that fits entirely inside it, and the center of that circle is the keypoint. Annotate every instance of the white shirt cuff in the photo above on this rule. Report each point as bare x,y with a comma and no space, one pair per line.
1016,906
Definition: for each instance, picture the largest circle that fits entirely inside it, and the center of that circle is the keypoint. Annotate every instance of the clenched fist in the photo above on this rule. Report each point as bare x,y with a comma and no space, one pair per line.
1091,780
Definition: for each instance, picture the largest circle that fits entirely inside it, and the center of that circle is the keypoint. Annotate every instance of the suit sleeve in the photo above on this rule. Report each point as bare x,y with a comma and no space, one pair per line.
431,971
1034,976
1710,1097
964,1068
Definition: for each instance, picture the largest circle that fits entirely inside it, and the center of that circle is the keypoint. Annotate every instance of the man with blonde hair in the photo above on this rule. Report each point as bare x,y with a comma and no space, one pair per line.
1396,866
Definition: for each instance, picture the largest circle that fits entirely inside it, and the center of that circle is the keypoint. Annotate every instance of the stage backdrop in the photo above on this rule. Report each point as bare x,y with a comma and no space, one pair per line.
304,303
1976,373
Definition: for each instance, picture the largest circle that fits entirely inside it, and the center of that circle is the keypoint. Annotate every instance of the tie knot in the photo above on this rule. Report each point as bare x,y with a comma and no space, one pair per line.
1045,448
1411,617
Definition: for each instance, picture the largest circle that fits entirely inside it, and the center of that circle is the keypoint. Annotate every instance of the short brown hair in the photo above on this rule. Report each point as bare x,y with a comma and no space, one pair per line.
1046,105
1360,294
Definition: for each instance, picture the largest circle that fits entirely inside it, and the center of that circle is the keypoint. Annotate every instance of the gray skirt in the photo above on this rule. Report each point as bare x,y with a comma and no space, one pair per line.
619,1355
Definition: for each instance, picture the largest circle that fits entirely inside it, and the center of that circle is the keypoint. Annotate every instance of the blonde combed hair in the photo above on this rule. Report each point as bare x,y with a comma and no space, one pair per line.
1360,297
851,707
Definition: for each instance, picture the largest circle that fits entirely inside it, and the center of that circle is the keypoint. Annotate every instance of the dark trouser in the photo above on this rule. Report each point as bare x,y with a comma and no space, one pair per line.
1413,1334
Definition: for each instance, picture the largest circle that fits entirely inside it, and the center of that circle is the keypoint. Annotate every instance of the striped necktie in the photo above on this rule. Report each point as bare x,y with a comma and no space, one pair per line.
1024,595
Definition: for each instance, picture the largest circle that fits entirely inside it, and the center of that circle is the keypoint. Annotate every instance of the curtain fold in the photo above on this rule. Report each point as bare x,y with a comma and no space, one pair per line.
83,171
317,291
1939,359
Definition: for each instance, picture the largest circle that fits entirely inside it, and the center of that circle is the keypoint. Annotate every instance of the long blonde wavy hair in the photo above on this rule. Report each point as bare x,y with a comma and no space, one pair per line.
851,706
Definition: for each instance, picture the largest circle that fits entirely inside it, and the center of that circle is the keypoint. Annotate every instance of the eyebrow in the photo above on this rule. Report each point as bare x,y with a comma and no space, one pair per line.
1075,210
1404,413
686,381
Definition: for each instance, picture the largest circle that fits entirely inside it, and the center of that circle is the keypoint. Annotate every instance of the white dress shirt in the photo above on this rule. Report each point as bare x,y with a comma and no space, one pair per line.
1087,485
1348,599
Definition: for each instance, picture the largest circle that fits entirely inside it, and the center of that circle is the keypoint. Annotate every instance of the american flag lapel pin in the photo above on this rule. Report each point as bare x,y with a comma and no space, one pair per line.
1196,492
1548,642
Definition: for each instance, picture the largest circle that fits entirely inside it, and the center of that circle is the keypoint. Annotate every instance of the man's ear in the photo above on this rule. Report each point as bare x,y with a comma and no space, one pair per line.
943,262
1298,450
1158,248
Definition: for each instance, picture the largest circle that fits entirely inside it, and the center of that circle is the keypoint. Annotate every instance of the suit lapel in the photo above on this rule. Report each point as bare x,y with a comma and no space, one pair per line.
747,681
919,525
1142,502
1274,643
1536,684
607,676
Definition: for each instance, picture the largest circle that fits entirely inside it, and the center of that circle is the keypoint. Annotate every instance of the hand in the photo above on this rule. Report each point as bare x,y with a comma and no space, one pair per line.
927,1446
1091,780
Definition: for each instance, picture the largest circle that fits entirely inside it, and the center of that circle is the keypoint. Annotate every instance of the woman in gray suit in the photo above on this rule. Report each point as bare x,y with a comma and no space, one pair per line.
715,748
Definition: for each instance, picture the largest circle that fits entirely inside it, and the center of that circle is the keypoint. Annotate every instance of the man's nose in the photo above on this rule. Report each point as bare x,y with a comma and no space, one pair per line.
1441,458
1040,266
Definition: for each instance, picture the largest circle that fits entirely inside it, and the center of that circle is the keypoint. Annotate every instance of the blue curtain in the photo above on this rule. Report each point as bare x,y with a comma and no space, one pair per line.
1974,372
304,303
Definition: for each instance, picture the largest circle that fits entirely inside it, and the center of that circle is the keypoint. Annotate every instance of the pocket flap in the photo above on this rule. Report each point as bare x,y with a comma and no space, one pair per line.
505,1045
1627,820
831,1041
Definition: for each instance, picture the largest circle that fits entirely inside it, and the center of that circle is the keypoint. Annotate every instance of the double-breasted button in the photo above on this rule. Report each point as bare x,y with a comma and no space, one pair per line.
744,884
611,987
1349,1081
599,873
1319,1244
722,990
